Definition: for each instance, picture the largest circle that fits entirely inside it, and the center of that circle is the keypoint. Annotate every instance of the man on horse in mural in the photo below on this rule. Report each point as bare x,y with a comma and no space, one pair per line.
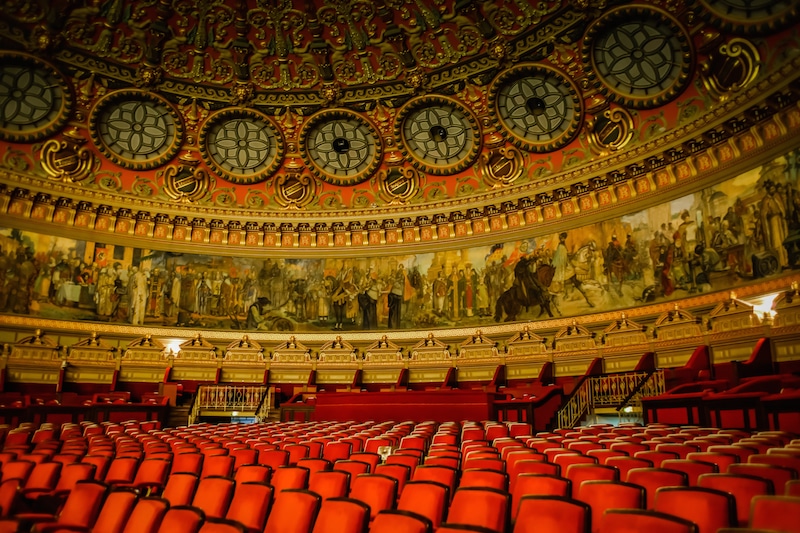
566,278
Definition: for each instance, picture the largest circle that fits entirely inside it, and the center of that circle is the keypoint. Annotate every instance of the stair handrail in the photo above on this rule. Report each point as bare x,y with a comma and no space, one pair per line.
654,385
194,410
577,405
635,390
265,405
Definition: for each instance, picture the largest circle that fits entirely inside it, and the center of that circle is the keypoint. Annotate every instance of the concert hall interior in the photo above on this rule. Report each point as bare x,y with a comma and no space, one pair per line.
405,226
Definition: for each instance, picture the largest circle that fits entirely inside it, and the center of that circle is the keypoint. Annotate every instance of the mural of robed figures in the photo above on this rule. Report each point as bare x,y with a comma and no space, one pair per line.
742,229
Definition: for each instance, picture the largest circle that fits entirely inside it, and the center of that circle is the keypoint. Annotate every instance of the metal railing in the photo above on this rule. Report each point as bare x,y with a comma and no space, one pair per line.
578,405
619,391
231,398
654,385
613,389
265,407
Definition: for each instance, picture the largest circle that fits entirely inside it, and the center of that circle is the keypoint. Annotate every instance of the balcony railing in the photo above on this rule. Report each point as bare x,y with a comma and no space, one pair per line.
244,400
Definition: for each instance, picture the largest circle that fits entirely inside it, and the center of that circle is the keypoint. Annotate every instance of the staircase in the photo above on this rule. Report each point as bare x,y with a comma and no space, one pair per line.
178,416
232,403
618,394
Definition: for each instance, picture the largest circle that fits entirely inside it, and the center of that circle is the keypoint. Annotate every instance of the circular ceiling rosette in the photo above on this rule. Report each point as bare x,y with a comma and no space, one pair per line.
136,129
751,17
242,145
440,135
538,107
638,56
340,147
35,101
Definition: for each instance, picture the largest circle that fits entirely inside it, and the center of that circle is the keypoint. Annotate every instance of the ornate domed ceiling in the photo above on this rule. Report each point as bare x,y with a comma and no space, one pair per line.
277,115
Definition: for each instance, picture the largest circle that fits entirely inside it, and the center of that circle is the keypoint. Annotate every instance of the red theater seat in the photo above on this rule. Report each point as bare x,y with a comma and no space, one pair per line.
377,491
692,469
653,479
552,514
778,513
480,507
708,508
294,511
213,496
479,477
329,483
743,489
537,485
393,521
604,495
342,515
637,521
250,505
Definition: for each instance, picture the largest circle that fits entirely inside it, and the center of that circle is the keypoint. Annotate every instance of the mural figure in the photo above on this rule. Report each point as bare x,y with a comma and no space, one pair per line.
566,275
529,289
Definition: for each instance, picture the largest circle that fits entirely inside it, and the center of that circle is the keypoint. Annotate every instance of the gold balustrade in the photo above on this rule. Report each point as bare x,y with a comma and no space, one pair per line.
244,400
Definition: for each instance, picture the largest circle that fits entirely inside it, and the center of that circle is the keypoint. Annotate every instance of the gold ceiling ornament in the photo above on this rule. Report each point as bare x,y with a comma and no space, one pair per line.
417,79
731,67
330,93
294,190
148,76
186,182
68,160
242,93
610,131
398,184
501,166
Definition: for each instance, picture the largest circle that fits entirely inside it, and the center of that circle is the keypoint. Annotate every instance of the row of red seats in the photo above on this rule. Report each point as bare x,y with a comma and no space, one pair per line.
504,450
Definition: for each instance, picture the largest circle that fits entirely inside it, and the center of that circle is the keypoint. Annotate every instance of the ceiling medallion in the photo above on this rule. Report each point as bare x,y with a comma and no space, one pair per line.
35,100
538,107
68,160
136,129
440,135
610,131
638,56
750,16
186,182
731,67
242,145
293,190
340,147
398,185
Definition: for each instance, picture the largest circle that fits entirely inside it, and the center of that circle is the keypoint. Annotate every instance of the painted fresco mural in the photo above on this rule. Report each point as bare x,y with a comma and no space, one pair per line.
745,228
